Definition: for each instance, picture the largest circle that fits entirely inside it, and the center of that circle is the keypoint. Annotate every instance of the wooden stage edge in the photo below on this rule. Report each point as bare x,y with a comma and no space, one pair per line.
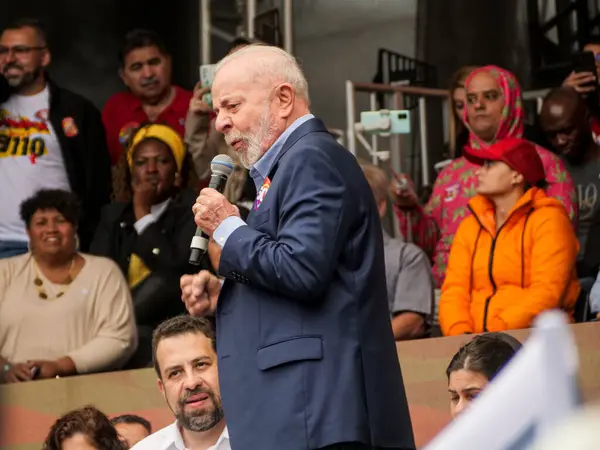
28,410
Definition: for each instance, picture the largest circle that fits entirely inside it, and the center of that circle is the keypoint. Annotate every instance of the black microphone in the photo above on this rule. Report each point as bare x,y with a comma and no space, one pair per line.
221,167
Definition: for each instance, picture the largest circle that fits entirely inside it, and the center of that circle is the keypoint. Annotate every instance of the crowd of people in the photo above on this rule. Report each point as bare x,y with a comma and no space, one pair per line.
99,209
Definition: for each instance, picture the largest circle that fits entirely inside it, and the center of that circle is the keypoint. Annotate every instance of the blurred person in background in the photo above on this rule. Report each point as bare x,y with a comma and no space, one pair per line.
149,236
83,429
61,312
582,82
566,121
408,272
131,428
494,112
476,364
514,256
49,137
458,103
145,68
585,83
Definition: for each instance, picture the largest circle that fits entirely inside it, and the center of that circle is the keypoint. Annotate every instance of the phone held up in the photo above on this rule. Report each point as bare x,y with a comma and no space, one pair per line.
207,74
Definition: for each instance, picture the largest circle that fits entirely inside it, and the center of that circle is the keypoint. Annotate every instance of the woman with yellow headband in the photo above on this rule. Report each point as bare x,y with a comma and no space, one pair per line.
149,236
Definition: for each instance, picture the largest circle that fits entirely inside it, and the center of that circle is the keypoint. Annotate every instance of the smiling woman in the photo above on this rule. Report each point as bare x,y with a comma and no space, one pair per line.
61,312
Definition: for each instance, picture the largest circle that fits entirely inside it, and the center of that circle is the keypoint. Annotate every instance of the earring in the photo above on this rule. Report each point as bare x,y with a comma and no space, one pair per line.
76,243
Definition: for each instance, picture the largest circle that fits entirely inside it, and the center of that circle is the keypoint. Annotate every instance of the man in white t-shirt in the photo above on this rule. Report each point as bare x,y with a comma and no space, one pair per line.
49,138
185,360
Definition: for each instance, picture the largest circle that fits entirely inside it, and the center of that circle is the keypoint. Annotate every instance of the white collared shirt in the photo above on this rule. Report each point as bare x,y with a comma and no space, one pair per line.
155,212
169,438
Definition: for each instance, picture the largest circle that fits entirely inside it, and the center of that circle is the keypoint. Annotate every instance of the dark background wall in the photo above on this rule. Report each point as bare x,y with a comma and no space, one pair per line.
85,37
455,33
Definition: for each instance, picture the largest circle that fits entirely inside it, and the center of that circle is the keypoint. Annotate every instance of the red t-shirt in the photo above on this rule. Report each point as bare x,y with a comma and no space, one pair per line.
123,112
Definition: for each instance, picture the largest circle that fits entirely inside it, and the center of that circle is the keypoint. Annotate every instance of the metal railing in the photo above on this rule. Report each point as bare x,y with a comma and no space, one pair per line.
397,93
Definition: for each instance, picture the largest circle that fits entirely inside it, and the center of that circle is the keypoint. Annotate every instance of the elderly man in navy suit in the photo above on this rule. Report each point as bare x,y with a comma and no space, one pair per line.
306,353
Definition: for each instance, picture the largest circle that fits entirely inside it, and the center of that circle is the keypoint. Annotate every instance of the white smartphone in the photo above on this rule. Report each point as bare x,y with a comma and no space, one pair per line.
207,74
385,121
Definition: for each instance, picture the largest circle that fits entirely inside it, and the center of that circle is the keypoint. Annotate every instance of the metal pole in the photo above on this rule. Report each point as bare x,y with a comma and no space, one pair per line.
205,34
218,32
373,107
350,107
250,15
395,139
423,130
288,31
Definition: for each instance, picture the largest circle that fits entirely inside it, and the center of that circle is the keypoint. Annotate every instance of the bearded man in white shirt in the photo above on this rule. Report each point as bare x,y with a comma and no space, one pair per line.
185,360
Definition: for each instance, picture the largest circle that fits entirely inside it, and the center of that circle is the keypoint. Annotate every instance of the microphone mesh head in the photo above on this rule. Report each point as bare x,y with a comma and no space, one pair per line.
222,165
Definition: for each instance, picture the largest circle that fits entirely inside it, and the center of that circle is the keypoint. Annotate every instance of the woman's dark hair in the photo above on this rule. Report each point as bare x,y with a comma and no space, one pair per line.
457,81
88,421
132,419
485,354
121,175
64,202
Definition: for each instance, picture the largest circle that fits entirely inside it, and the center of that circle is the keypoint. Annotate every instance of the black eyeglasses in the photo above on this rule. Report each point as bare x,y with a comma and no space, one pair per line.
19,50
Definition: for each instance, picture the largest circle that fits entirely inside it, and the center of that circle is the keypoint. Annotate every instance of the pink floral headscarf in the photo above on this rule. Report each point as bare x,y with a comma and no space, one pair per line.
513,115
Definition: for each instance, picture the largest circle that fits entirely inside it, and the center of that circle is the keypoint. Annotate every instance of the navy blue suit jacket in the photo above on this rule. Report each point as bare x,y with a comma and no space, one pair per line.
306,352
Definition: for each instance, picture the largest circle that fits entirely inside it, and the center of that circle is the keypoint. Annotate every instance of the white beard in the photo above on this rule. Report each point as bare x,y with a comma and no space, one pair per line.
255,140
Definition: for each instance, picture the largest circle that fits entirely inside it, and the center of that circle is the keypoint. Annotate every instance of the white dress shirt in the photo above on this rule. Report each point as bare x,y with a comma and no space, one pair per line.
155,212
169,438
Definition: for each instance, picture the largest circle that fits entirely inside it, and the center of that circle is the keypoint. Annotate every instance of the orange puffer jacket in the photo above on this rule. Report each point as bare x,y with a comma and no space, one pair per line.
501,280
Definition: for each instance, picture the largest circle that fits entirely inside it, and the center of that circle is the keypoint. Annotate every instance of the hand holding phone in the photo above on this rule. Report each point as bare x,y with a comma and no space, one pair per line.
207,74
584,77
197,103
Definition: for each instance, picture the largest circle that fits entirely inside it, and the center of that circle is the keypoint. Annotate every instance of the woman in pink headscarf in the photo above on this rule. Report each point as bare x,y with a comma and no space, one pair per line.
494,112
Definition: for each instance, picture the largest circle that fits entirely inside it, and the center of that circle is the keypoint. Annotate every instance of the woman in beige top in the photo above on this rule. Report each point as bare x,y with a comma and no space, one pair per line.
61,312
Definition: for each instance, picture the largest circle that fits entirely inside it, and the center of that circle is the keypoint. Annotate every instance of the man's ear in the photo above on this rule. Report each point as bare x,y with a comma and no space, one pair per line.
286,96
46,58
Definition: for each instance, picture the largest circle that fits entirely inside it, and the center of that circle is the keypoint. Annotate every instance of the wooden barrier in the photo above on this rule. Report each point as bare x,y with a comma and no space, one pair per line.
28,410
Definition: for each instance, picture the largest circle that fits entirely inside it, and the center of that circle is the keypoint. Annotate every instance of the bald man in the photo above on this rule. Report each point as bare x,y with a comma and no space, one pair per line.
567,124
306,352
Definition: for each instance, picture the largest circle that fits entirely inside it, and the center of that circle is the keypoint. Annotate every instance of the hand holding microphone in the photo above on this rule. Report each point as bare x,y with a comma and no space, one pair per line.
211,207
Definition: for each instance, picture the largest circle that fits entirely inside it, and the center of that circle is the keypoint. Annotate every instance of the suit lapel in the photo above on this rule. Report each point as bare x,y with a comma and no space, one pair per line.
310,126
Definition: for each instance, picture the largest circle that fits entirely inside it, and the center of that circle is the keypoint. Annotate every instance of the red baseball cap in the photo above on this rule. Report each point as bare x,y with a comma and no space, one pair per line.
519,154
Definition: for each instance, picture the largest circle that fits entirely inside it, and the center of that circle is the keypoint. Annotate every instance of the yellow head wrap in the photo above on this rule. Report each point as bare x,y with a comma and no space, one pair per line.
163,133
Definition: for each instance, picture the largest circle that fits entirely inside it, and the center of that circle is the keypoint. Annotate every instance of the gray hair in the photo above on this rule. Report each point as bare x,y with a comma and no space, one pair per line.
277,67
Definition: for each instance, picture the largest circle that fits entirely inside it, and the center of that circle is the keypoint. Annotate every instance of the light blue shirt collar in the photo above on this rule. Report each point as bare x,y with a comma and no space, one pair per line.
261,169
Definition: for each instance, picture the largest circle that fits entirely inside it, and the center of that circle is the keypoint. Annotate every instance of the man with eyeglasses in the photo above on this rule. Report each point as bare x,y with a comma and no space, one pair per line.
49,138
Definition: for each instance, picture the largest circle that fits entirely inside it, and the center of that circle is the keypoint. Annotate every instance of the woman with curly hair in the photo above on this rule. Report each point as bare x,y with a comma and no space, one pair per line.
62,312
83,429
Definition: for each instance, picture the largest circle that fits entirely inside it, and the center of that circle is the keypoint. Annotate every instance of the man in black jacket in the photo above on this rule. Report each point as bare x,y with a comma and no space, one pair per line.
49,138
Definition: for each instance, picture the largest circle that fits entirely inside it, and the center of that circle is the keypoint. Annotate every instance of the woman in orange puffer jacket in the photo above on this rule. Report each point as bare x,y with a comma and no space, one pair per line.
514,257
